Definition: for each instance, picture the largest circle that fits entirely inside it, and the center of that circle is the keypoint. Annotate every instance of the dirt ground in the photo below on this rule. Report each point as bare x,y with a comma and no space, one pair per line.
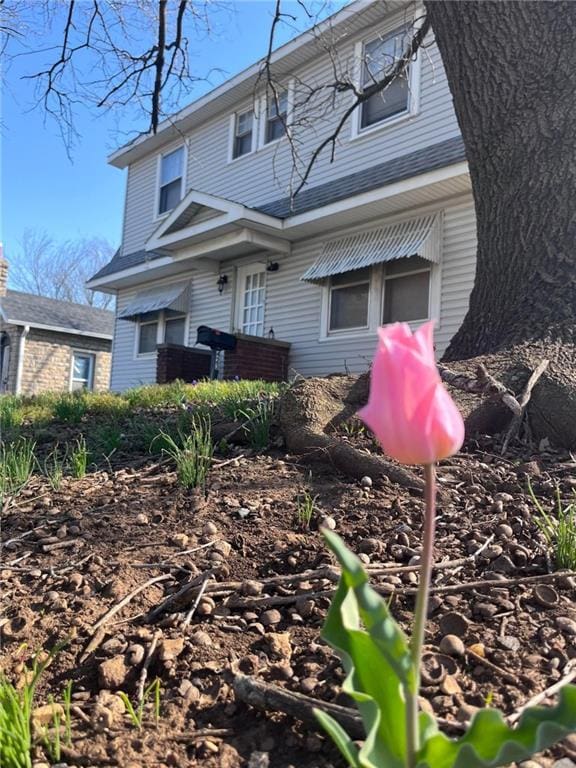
69,556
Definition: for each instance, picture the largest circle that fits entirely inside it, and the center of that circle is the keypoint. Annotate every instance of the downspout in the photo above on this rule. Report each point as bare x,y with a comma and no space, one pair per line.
20,365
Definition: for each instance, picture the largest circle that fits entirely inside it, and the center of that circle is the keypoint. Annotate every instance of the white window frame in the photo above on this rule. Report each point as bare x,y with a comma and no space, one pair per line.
161,319
232,133
90,353
430,270
263,115
241,273
157,215
413,108
331,288
376,293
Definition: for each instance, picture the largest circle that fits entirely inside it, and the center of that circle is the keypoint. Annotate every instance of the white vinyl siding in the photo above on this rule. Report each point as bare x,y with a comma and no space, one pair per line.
265,175
294,308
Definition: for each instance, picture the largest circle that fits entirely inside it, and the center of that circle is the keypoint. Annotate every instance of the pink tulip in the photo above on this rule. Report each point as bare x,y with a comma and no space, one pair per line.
409,410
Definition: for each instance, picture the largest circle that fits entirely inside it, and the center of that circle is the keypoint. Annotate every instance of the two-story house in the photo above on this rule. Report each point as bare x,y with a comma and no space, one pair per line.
385,232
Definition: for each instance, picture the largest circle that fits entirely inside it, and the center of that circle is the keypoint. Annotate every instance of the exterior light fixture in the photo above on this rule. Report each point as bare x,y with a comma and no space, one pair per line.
222,281
272,266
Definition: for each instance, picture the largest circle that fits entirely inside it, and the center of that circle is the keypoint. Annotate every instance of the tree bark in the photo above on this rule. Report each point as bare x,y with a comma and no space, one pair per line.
511,67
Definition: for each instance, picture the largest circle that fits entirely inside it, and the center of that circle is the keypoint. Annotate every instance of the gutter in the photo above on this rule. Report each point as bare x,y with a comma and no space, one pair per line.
20,365
61,329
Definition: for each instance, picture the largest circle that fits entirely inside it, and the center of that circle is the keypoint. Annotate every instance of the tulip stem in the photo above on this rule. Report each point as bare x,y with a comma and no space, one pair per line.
417,641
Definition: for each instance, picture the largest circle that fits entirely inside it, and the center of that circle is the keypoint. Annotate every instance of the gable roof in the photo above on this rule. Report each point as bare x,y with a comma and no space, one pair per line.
20,308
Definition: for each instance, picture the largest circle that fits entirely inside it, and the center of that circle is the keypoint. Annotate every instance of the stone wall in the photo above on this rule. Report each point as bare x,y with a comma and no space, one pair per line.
48,361
257,358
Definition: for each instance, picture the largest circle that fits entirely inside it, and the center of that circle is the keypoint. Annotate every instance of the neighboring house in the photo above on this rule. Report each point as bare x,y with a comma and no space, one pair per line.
50,345
384,233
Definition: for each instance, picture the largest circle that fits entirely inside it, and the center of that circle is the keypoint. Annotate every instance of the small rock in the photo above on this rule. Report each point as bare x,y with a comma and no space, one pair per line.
251,588
508,643
565,762
180,540
450,686
452,645
366,482
279,643
210,529
135,654
328,522
466,712
243,512
566,625
45,714
170,649
74,581
114,646
259,760
202,639
271,617
223,548
141,519
454,624
504,531
531,468
502,564
308,684
369,546
112,672
189,692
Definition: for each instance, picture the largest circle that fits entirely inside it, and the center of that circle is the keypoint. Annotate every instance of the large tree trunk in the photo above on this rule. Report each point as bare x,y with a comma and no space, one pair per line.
511,67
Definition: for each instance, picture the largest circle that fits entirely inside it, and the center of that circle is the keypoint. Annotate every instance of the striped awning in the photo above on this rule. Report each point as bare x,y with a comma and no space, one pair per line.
417,237
171,298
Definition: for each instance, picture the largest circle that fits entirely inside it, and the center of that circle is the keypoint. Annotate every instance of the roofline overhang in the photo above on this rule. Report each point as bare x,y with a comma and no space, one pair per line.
289,227
232,213
121,158
60,329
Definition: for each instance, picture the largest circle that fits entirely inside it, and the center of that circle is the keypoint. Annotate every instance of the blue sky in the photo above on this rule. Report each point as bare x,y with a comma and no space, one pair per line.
69,199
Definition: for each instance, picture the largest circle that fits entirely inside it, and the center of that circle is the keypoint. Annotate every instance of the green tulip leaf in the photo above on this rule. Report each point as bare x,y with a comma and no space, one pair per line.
339,736
376,659
491,742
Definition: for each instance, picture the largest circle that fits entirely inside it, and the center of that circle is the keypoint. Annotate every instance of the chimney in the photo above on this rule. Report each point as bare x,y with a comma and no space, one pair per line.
3,272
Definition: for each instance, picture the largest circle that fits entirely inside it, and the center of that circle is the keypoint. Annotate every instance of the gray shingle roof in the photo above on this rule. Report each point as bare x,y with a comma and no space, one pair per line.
121,261
29,309
413,164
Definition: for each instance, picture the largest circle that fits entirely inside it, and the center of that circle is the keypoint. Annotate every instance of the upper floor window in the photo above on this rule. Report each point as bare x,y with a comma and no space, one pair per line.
243,133
379,58
171,177
276,116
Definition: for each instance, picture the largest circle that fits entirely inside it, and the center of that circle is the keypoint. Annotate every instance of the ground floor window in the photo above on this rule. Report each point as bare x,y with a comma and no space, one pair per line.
349,296
163,328
362,299
406,290
83,364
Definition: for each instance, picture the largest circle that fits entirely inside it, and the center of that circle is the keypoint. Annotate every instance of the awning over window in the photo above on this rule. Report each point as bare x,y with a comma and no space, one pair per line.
417,237
170,298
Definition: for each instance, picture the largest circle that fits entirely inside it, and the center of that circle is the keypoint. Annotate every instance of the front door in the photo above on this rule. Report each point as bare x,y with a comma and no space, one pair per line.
251,299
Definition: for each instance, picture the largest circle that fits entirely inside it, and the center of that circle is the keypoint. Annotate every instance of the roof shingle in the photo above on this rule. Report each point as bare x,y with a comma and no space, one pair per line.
29,309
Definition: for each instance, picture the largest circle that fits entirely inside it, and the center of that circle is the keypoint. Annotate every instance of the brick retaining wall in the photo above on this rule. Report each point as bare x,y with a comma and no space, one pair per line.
257,358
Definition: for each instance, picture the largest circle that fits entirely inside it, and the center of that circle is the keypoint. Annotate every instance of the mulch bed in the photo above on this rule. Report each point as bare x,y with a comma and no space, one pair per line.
502,624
